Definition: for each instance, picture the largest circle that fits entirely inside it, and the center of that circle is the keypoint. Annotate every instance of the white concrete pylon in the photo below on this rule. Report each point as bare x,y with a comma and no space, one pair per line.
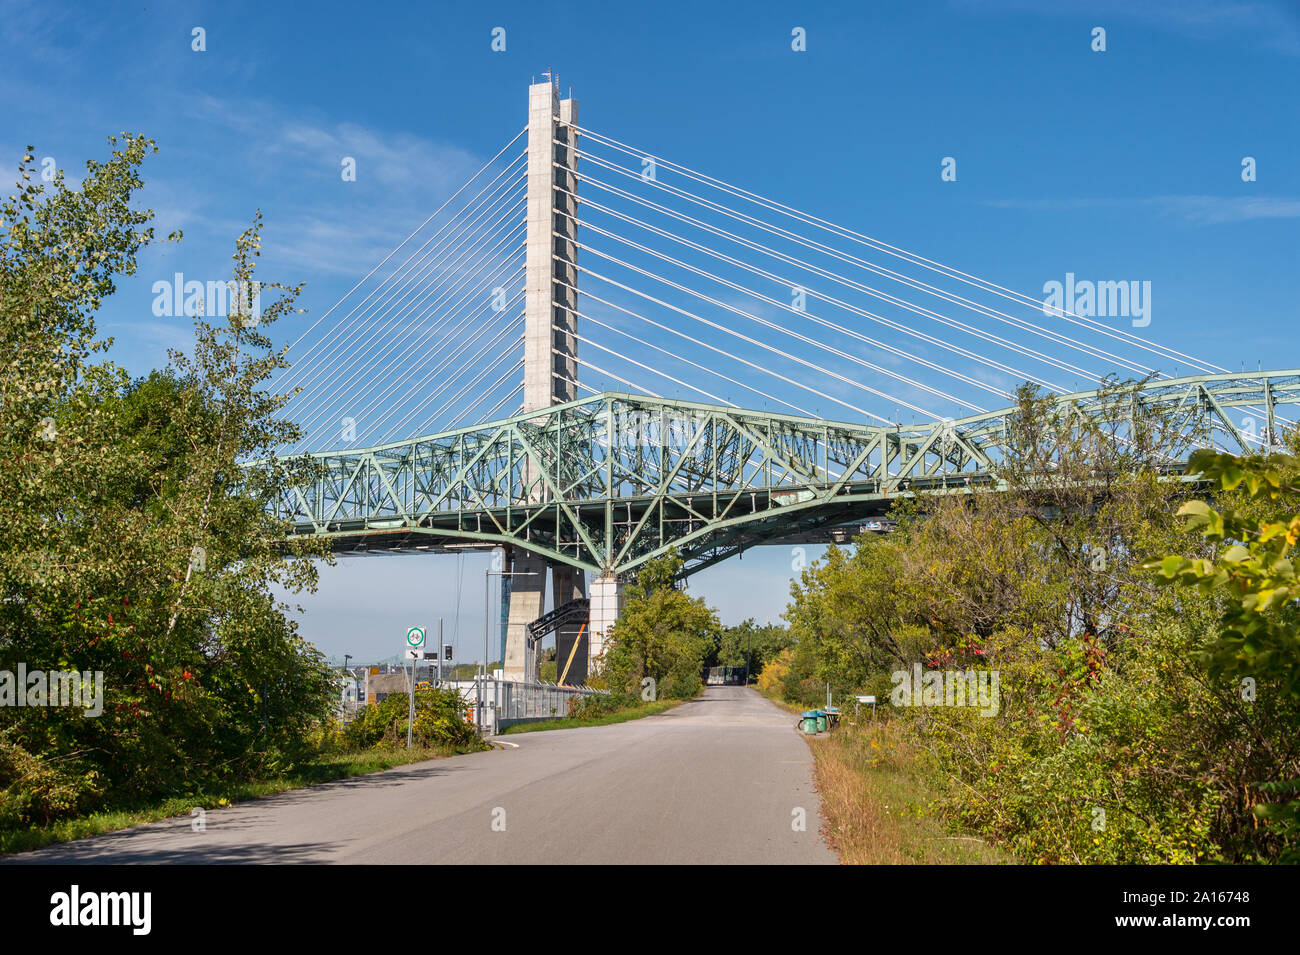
549,378
546,281
606,602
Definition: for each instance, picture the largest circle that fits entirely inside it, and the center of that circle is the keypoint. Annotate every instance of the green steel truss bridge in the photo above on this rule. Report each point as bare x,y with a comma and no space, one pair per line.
608,482
618,320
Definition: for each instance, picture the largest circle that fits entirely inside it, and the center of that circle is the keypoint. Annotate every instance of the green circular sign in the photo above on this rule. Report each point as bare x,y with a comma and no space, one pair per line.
415,637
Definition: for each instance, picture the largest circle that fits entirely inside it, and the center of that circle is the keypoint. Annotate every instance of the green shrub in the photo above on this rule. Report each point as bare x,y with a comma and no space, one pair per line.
439,722
35,790
600,704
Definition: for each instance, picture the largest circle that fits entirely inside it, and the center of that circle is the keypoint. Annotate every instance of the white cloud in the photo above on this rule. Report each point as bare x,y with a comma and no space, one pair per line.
1271,23
1197,209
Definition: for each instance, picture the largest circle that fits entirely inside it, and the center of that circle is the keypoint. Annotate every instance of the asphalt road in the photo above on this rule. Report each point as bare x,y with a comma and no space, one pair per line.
720,779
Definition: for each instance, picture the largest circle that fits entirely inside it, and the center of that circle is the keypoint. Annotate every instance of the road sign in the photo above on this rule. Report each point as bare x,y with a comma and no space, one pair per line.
866,699
414,653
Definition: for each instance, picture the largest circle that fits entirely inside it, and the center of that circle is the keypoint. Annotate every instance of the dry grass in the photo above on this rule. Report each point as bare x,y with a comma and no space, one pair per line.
880,805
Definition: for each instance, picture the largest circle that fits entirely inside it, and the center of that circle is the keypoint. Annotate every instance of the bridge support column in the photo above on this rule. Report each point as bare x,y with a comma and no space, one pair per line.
527,591
606,602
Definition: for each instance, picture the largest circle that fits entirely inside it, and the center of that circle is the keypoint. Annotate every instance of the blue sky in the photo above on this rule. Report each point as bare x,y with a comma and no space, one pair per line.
1123,164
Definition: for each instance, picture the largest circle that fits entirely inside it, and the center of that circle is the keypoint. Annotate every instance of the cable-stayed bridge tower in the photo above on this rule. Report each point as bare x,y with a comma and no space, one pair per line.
550,369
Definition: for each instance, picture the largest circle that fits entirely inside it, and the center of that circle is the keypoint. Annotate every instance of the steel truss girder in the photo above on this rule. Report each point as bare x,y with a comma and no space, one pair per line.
608,482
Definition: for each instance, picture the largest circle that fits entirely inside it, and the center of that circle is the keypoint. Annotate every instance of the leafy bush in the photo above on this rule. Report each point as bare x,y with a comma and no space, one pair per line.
439,722
771,680
680,686
35,790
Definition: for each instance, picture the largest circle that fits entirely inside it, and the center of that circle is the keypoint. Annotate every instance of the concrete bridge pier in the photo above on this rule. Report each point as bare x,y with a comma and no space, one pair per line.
606,602
525,602
524,597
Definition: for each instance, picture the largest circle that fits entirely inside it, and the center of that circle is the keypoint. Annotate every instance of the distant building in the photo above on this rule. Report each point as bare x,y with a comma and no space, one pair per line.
380,686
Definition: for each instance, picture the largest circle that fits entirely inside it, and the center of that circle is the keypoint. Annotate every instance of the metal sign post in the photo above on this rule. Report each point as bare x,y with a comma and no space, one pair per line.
410,711
439,654
414,650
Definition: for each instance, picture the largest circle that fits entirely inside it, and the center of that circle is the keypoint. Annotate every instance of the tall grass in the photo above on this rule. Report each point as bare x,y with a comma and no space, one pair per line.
880,801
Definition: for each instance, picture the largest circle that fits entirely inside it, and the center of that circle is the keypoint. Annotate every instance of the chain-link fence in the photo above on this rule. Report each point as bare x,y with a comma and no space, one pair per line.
523,701
506,701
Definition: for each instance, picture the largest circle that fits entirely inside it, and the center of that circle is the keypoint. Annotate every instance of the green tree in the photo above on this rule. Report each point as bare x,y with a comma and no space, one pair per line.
139,531
749,643
661,634
1248,566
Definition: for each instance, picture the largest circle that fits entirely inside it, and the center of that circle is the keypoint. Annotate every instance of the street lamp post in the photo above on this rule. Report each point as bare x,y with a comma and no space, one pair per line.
487,615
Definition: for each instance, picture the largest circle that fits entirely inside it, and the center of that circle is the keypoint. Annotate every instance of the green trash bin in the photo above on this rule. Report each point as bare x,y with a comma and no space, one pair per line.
822,722
809,724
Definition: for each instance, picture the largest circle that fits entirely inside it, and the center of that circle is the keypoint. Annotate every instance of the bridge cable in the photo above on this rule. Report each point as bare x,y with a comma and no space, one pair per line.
803,338
850,283
689,338
450,403
810,316
375,353
1154,348
448,201
763,345
518,366
423,271
448,360
903,254
449,257
369,274
653,371
369,349
417,364
654,347
979,308
333,398
423,427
